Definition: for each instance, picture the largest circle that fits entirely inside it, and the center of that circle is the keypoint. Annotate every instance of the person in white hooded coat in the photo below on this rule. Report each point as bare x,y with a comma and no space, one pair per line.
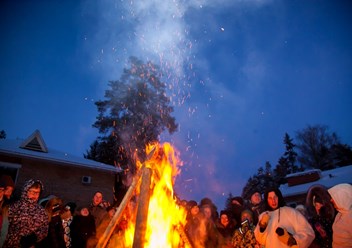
281,226
341,195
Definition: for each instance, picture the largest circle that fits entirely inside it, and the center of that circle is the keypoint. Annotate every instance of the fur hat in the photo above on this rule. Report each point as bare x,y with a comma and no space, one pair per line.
319,193
6,181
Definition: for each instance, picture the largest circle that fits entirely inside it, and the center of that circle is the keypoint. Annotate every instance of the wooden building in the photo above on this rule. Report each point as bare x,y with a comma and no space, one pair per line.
298,184
70,177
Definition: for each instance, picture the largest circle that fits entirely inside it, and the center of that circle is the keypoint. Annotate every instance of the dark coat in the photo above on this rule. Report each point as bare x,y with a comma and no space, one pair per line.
55,238
322,222
82,228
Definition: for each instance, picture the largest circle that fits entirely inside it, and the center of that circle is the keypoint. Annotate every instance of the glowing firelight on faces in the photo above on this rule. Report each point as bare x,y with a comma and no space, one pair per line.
164,215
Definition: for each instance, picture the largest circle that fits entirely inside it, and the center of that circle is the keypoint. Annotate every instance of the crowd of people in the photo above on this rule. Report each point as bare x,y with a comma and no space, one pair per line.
263,220
48,222
325,220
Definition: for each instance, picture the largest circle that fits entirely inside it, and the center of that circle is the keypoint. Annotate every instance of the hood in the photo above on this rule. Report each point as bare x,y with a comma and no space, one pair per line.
342,196
279,195
321,192
27,186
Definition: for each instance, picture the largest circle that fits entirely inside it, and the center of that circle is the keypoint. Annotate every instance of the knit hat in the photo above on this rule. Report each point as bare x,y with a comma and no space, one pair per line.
247,211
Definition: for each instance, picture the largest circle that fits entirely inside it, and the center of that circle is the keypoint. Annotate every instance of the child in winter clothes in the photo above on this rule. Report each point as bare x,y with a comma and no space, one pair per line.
244,235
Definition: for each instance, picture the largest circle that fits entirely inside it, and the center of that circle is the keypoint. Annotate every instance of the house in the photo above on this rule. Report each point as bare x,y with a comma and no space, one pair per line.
69,177
298,184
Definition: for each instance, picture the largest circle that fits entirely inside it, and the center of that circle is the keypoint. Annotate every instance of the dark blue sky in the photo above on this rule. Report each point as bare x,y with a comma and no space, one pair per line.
241,74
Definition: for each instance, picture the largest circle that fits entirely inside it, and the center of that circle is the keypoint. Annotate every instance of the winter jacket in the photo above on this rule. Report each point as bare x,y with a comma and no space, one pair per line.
244,237
342,226
321,222
225,234
290,219
28,221
82,228
98,212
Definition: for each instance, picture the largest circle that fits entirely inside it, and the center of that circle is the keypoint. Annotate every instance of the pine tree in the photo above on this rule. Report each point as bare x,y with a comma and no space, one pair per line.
290,155
136,110
280,171
228,202
2,134
259,182
287,162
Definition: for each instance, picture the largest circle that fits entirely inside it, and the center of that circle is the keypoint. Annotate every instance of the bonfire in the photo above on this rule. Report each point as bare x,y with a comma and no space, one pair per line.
158,220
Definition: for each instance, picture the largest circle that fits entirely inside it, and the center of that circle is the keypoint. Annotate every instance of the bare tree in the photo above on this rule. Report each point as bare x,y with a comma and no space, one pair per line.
314,144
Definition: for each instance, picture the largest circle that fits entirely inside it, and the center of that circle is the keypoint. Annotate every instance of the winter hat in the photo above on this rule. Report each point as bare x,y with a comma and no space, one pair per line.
71,206
225,212
252,192
6,181
191,204
206,201
238,199
247,211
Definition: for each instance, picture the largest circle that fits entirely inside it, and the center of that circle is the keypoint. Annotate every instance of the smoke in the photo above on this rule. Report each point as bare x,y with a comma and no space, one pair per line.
163,31
153,30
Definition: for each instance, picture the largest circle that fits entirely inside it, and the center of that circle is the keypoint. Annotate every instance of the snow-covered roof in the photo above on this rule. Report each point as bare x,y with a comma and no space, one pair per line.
328,178
16,148
306,172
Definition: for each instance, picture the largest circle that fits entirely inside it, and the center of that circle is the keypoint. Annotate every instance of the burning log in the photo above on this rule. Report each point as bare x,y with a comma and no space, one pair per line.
142,212
103,240
159,220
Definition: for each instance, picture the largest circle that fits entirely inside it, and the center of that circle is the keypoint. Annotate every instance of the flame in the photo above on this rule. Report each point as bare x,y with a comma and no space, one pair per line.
164,215
166,218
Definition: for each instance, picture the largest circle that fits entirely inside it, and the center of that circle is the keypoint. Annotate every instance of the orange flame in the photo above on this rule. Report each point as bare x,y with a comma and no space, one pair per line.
164,215
165,218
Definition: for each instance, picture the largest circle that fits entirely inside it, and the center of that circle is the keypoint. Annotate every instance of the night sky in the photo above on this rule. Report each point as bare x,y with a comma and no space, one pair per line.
241,74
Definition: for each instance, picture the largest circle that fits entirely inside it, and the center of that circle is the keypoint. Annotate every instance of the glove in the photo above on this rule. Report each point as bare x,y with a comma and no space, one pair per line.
28,241
264,220
286,237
